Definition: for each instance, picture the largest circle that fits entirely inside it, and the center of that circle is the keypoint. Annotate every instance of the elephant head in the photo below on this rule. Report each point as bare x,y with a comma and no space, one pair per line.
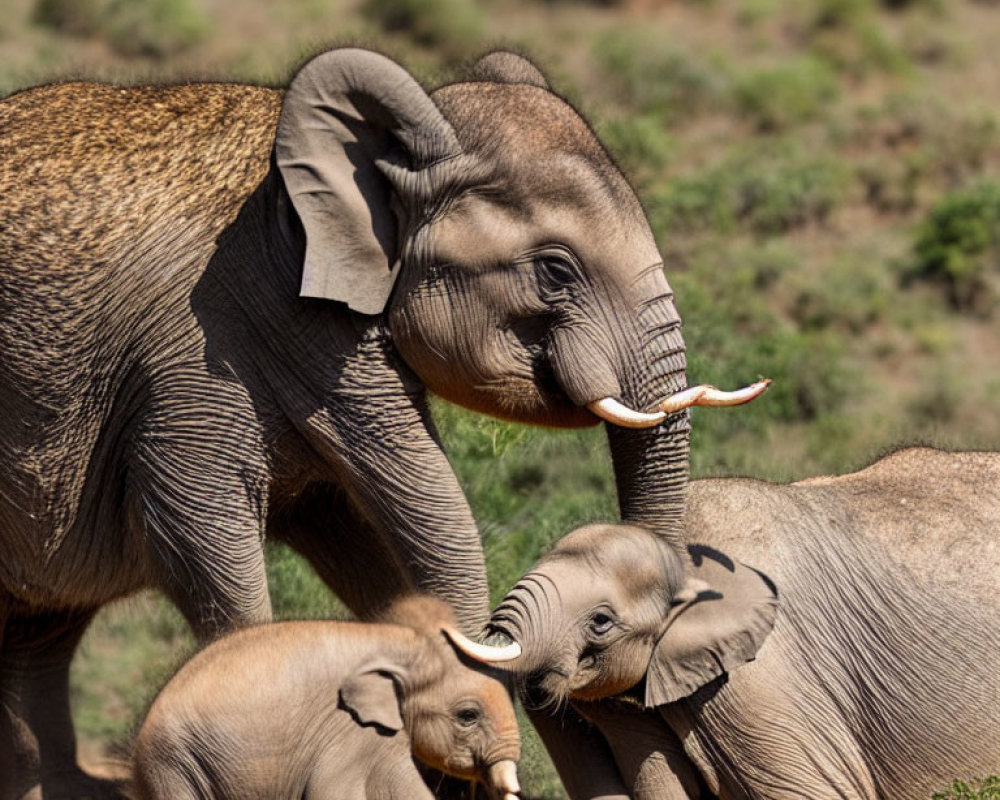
460,718
508,257
613,605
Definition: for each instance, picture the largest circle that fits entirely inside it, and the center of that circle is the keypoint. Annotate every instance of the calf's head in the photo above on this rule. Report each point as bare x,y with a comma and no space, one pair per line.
612,606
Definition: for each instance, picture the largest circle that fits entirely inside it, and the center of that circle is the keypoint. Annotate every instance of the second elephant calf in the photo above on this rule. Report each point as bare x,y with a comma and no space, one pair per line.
321,710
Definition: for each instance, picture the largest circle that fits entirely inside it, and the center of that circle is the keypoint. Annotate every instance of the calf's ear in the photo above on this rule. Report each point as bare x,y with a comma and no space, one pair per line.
372,698
712,630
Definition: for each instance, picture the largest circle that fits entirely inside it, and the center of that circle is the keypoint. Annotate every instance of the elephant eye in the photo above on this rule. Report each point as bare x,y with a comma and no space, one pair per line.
601,623
468,716
556,271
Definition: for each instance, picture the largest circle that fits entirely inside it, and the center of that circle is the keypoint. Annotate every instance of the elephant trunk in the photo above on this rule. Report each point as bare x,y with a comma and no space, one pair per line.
623,362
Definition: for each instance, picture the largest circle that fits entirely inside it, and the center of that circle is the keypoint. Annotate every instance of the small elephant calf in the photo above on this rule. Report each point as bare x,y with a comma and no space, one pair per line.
322,710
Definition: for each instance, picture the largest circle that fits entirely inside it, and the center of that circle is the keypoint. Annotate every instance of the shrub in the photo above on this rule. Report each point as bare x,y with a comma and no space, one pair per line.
654,77
733,335
776,98
641,145
456,26
958,244
156,28
767,188
73,17
853,292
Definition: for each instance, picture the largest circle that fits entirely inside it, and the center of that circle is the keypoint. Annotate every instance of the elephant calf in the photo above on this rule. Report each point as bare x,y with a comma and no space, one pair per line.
873,636
323,709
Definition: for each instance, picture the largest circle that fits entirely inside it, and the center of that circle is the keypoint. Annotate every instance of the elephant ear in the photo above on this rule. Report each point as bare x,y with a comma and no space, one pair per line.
372,697
502,66
713,632
345,112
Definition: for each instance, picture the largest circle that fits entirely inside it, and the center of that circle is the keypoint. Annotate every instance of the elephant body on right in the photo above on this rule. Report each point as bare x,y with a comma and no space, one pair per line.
832,638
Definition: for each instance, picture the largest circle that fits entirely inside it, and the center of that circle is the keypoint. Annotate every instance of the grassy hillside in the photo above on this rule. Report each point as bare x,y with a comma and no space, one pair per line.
823,177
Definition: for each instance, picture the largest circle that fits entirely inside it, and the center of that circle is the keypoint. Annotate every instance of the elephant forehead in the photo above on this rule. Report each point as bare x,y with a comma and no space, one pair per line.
628,558
531,133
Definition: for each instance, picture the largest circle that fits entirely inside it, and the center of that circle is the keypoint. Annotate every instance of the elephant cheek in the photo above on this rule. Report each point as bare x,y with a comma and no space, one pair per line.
612,672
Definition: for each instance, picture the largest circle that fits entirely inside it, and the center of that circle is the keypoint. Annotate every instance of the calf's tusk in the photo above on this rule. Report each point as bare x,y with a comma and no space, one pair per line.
481,652
615,412
502,777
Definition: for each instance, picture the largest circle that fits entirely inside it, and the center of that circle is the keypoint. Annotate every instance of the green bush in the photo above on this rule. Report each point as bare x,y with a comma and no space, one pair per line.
155,28
641,146
733,336
776,98
655,77
986,789
455,26
958,244
766,188
851,294
73,17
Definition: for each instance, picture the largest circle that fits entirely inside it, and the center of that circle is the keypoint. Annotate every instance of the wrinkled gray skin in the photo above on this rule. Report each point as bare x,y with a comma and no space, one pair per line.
168,398
878,680
322,709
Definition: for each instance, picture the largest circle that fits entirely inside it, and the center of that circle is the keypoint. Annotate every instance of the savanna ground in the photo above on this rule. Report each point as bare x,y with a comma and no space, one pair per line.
823,177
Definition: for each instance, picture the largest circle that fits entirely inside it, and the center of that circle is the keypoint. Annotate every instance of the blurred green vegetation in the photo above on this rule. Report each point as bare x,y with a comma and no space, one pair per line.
822,177
986,789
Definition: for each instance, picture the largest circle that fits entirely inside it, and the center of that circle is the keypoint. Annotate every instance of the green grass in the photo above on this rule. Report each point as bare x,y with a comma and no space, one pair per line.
985,789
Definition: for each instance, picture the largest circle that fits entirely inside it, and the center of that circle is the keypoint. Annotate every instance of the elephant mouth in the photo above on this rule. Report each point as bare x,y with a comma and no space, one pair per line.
545,690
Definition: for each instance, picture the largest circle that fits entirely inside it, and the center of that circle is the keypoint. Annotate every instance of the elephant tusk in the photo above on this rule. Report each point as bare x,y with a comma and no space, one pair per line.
481,652
710,396
502,777
615,412
610,410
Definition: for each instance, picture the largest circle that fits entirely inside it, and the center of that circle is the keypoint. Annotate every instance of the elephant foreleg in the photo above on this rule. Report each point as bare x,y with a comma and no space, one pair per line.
34,684
377,436
648,753
197,501
582,758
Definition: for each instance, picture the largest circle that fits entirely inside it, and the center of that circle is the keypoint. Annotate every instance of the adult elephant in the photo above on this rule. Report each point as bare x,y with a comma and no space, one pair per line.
169,398
868,610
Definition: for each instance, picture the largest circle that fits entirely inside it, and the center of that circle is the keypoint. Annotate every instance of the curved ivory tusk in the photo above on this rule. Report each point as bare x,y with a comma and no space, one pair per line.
502,776
481,652
615,412
610,410
710,396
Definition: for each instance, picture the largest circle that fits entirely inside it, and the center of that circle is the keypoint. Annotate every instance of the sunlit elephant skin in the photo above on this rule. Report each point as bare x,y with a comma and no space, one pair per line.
169,397
325,710
852,658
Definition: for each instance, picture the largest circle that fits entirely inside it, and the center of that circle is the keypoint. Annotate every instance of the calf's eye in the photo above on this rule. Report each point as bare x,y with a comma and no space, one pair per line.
601,623
467,717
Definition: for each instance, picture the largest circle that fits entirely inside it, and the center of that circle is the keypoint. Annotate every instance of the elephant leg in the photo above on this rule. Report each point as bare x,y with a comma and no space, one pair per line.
648,753
585,763
216,594
344,549
34,682
198,497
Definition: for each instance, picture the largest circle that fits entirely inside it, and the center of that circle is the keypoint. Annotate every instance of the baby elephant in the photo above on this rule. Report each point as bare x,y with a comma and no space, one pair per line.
322,710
